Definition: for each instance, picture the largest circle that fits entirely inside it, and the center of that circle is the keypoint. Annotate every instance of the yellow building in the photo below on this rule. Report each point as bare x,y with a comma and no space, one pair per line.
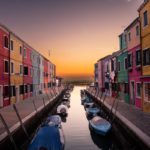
16,68
144,12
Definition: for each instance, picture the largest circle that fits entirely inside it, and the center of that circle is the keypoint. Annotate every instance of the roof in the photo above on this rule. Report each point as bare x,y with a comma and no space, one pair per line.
132,23
143,4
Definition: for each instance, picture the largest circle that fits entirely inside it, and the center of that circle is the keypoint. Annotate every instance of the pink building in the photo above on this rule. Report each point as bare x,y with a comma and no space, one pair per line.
45,75
134,62
4,67
28,71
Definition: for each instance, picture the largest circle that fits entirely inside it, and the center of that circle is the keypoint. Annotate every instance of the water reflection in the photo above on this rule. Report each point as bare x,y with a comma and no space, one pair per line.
76,128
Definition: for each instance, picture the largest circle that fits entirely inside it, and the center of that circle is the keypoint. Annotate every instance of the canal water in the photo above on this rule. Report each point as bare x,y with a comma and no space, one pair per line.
78,136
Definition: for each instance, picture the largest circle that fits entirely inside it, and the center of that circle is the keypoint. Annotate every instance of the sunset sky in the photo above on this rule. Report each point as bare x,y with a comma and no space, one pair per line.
77,32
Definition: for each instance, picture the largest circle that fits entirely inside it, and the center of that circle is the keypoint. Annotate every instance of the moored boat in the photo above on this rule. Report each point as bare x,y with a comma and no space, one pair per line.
93,111
90,104
62,110
48,137
100,125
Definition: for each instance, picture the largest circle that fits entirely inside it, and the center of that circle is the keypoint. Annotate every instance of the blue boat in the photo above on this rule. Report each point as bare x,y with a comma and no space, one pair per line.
100,125
85,100
48,137
93,111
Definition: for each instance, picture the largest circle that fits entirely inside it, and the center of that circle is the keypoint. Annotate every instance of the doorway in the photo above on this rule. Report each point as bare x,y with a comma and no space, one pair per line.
17,93
132,89
1,96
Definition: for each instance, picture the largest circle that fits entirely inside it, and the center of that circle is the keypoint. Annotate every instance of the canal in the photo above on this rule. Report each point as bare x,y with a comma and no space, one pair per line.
76,128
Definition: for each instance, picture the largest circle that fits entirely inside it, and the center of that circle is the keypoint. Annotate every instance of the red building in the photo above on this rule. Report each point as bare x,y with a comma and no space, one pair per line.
45,75
28,71
4,67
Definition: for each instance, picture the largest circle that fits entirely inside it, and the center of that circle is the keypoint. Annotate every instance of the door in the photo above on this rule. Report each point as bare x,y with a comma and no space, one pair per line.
132,95
17,94
1,96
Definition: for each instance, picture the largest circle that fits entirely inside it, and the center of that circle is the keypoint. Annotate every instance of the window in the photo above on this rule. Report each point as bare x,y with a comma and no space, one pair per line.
6,91
138,89
146,57
21,89
126,88
25,70
12,67
31,88
20,49
25,53
21,69
12,91
11,45
129,36
6,66
145,17
147,92
130,60
119,66
138,57
25,88
6,41
137,30
112,65
125,63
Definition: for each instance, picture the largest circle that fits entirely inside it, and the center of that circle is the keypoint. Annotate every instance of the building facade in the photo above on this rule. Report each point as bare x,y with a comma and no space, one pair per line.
27,71
122,69
16,68
134,62
46,75
4,65
36,72
144,13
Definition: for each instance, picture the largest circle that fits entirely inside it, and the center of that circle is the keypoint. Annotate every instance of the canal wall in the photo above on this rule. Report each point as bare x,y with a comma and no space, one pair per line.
21,120
128,134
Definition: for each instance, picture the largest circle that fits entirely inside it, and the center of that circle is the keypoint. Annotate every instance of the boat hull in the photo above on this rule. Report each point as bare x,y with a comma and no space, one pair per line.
102,127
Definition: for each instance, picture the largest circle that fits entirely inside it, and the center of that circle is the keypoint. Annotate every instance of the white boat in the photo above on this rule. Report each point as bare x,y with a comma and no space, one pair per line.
62,110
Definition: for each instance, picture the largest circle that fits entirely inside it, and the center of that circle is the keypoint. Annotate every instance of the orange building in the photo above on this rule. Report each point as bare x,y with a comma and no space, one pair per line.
144,12
16,68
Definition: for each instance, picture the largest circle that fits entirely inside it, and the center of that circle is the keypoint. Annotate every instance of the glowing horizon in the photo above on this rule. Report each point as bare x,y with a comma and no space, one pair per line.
77,33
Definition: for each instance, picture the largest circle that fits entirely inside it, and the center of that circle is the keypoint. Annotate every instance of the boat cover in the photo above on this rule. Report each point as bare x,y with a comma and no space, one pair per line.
94,110
100,124
47,138
62,108
55,119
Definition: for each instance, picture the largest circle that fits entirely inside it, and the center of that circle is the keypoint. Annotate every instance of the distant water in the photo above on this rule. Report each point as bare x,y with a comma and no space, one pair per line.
76,128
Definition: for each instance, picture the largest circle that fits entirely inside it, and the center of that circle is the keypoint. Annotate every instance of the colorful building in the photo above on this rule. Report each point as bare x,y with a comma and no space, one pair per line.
41,66
4,65
134,62
113,73
36,72
122,69
22,69
46,75
144,13
16,68
96,75
27,71
53,70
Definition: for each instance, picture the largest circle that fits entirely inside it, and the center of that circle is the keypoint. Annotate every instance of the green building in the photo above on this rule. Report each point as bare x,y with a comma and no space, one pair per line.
122,69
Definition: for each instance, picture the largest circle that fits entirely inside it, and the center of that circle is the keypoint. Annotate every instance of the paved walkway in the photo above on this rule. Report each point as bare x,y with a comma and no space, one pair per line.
133,114
25,108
